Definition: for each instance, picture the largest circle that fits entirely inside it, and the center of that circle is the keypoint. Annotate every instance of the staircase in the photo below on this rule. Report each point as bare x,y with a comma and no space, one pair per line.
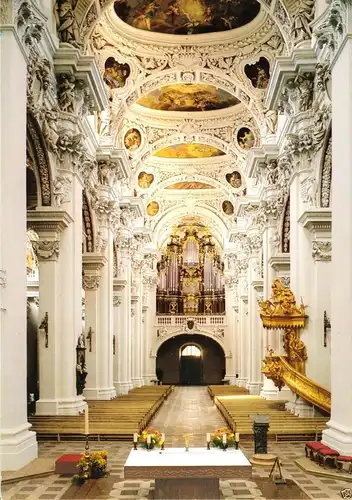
282,373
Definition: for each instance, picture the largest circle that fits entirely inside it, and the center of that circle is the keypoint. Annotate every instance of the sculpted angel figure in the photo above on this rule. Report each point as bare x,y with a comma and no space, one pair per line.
270,119
301,29
66,91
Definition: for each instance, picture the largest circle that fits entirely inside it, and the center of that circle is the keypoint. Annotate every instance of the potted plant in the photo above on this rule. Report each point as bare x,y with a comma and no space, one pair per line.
224,438
92,466
151,438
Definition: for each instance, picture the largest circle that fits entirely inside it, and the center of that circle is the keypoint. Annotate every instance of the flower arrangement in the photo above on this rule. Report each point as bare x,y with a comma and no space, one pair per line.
219,441
150,438
92,466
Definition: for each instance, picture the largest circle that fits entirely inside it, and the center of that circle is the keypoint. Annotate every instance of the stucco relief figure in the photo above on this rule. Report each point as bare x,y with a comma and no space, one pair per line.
59,189
68,30
258,73
116,74
31,258
66,91
245,138
145,180
228,207
304,16
132,139
153,208
234,179
270,119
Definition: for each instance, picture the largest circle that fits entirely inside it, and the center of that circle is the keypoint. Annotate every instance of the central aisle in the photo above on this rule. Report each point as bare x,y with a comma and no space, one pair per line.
187,410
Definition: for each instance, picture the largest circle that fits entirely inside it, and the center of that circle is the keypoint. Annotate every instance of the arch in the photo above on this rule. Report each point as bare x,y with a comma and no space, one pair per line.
161,340
209,217
191,352
207,369
39,154
88,224
279,15
215,183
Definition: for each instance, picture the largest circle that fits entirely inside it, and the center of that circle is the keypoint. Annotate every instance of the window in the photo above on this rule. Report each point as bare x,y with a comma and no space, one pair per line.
191,350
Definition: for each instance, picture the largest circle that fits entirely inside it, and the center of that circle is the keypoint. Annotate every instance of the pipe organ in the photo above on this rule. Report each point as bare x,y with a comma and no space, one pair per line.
190,276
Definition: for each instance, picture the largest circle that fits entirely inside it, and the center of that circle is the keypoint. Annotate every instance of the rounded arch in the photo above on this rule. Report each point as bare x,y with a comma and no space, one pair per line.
210,218
196,331
86,14
173,369
215,183
190,344
37,150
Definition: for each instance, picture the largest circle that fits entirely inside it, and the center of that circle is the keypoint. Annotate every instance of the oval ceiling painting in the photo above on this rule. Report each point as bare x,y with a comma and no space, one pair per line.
132,139
186,17
152,208
234,179
188,97
245,138
116,74
189,151
228,207
190,185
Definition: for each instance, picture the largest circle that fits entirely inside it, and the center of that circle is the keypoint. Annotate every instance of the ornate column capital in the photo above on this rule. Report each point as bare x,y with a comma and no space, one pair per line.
117,300
321,250
90,282
47,249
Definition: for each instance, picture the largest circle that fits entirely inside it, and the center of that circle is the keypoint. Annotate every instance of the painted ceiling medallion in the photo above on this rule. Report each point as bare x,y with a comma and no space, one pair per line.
188,97
186,17
145,180
245,138
234,179
190,185
132,139
152,208
189,151
116,74
228,207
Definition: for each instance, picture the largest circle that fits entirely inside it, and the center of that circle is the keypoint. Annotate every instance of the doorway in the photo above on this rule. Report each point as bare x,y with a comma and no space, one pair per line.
191,365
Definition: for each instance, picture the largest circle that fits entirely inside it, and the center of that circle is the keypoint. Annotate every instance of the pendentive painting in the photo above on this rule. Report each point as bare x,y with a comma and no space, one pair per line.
145,180
258,73
188,97
152,208
228,207
116,74
234,179
192,150
245,138
186,17
132,139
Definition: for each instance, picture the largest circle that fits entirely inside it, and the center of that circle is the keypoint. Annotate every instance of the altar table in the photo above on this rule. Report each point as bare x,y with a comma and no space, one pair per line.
192,474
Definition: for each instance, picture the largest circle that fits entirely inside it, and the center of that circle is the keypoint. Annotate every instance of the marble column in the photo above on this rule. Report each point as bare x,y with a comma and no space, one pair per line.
270,337
18,443
137,379
117,300
339,432
49,223
231,365
99,356
149,365
243,316
123,329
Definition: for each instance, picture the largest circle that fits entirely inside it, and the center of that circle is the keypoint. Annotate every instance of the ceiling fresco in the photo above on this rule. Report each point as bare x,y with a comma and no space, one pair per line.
186,17
190,185
189,151
188,97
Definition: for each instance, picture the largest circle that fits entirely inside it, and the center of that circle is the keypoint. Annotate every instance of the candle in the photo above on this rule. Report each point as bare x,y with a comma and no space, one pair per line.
86,421
237,437
149,439
208,437
163,438
224,439
135,437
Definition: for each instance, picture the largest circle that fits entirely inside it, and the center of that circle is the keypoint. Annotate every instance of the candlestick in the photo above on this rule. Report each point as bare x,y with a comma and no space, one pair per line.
224,439
149,439
162,440
86,421
135,437
237,437
208,437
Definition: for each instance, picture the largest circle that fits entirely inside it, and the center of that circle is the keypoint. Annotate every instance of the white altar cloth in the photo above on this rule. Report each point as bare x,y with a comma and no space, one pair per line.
178,457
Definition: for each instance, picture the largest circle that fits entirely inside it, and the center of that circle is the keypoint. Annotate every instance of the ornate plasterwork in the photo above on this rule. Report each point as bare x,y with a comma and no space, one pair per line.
321,250
90,282
46,249
325,187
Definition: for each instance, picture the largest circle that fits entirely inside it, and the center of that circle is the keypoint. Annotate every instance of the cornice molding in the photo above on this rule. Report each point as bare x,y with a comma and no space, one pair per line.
317,221
280,262
48,220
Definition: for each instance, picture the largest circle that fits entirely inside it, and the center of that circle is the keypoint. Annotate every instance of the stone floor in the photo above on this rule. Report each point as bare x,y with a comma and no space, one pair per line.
188,409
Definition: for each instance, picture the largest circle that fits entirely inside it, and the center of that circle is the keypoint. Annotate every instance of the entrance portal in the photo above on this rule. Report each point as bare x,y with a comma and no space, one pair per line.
191,365
190,359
